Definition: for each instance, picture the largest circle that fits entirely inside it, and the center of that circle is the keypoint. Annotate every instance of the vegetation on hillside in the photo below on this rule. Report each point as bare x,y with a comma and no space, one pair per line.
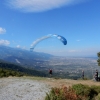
98,58
76,92
13,70
7,73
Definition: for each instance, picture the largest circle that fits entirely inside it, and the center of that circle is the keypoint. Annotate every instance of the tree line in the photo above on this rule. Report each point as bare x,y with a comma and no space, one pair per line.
10,69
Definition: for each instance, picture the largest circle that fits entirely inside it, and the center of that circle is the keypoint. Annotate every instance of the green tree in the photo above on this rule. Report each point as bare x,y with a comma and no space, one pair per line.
98,58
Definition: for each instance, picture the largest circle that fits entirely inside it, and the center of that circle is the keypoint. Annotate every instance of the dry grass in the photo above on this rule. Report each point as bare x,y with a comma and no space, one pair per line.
68,82
62,82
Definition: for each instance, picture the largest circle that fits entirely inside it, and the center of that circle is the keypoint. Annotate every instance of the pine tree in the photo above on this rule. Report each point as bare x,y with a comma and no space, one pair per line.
98,58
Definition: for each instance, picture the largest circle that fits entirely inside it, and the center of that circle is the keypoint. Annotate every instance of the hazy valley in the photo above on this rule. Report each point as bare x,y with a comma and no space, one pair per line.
70,67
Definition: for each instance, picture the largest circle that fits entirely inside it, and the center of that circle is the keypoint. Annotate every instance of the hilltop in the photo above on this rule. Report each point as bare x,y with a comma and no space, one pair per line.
33,88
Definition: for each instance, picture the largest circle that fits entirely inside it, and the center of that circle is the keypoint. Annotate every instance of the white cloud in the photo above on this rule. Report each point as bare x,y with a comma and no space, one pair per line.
39,5
78,40
18,46
2,30
4,42
21,47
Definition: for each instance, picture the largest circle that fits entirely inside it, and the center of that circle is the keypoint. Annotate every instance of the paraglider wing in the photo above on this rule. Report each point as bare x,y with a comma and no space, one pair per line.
31,49
39,40
61,38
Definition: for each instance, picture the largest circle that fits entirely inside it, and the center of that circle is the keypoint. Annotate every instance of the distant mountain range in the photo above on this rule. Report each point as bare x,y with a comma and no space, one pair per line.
23,57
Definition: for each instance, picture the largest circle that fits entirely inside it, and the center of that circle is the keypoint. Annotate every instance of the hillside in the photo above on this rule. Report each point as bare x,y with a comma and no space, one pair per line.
23,57
33,88
6,69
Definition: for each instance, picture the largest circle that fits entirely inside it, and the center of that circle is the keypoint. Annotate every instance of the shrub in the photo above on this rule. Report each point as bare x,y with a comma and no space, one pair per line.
96,89
63,93
76,92
97,97
6,73
81,89
86,91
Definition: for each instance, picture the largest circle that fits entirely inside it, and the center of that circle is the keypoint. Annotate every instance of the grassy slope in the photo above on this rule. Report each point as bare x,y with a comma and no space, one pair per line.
68,82
63,82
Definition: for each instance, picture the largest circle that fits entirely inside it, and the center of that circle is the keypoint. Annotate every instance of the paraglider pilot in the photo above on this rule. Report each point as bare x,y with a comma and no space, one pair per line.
82,74
50,72
96,75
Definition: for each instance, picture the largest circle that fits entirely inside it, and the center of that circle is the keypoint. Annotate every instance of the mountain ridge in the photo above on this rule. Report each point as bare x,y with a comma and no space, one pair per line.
23,57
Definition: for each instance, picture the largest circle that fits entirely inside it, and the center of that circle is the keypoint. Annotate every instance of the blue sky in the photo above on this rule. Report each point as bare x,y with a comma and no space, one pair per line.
24,21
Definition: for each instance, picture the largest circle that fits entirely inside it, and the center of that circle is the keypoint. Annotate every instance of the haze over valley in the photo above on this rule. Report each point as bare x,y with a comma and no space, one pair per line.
70,67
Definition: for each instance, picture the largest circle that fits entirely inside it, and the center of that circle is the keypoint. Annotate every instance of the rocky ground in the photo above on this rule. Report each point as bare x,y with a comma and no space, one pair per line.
14,88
